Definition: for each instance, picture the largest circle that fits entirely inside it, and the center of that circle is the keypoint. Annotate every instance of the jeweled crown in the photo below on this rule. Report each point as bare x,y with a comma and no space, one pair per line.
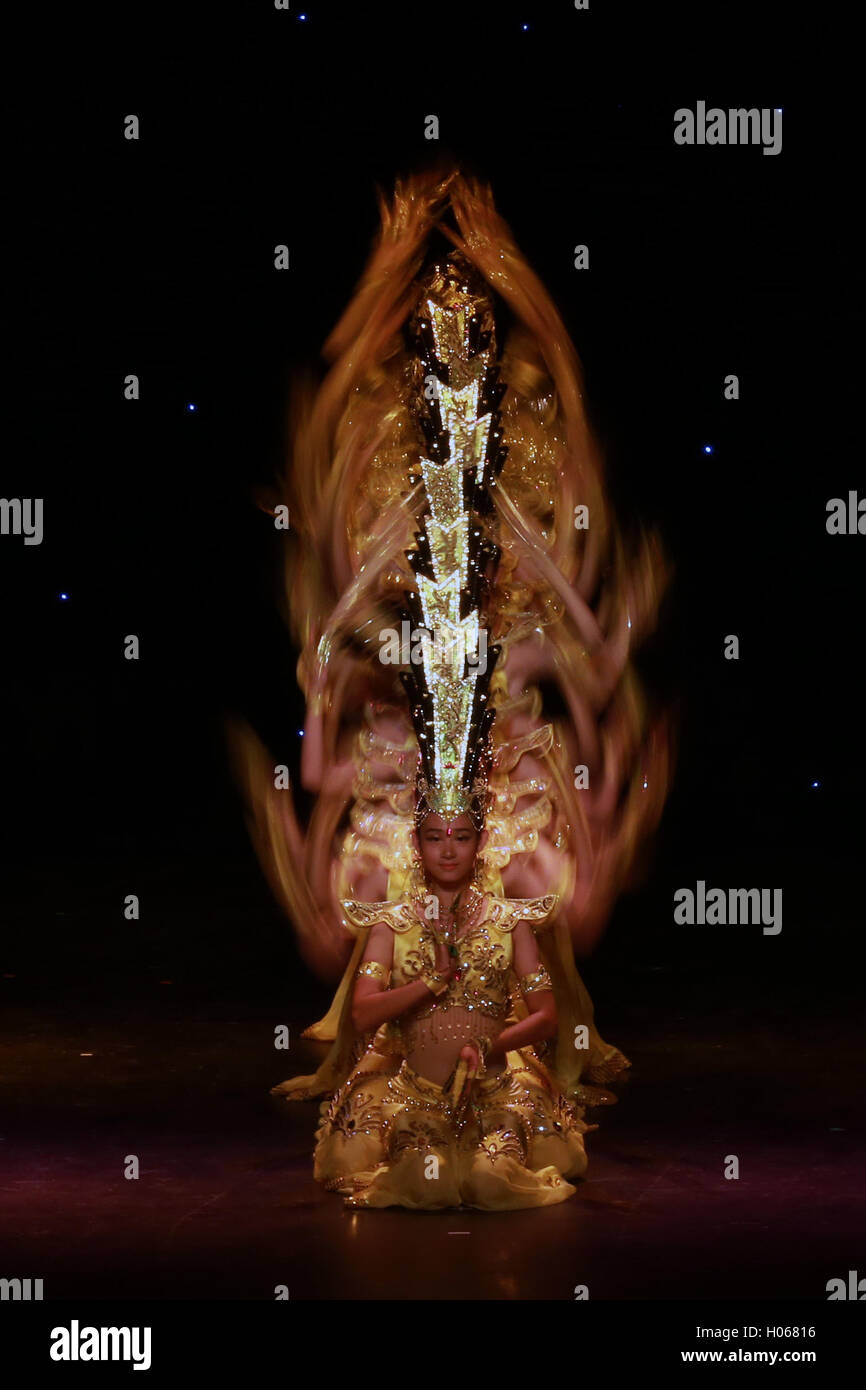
454,393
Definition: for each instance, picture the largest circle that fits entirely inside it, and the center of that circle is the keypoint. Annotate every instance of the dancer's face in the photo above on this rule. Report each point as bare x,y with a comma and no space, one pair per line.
448,848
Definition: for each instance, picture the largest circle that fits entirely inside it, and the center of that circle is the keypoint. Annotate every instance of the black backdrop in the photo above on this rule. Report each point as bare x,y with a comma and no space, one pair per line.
156,257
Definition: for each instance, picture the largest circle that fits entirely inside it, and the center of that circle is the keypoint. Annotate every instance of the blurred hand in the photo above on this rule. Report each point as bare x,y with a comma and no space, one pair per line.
444,960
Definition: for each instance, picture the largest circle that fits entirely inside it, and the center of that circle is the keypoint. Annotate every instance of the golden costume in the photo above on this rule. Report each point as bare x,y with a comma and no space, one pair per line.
519,1138
447,487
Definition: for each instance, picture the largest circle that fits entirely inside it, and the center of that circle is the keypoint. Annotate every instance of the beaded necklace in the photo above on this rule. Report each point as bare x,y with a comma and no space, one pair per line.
460,916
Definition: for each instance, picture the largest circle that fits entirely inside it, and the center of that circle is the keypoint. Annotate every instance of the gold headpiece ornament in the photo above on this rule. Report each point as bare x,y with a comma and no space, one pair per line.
454,396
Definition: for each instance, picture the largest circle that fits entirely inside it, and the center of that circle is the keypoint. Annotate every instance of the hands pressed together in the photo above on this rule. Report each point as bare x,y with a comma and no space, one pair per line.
472,1061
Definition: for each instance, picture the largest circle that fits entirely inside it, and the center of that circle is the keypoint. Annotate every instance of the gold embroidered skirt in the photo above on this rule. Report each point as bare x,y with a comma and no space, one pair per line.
390,1137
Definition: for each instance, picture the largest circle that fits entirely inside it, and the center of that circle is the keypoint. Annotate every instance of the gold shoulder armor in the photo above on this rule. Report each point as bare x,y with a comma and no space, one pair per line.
399,915
505,913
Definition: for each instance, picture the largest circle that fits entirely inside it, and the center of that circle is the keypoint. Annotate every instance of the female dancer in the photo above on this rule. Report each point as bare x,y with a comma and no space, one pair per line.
439,485
451,1103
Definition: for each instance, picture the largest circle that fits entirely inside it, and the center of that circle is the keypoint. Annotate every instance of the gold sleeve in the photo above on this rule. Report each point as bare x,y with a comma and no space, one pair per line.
397,915
538,912
505,913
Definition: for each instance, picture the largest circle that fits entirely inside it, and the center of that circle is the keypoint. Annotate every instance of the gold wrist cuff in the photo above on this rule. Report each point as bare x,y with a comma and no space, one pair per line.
437,983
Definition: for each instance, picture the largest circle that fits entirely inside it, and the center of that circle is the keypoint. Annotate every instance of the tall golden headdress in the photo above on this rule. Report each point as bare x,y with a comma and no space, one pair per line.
453,396
406,504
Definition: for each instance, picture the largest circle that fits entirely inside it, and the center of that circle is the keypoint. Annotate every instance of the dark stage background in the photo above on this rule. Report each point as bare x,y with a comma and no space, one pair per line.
156,258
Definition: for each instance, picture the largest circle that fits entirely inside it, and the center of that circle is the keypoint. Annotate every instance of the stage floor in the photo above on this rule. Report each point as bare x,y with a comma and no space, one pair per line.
226,1207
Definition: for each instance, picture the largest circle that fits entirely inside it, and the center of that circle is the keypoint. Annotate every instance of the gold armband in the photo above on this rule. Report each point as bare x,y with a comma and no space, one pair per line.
538,980
373,970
